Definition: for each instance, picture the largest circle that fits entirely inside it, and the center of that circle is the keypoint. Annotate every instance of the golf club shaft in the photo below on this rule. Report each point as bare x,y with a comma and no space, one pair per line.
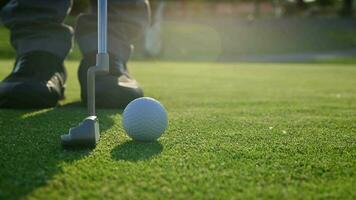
91,91
102,59
102,26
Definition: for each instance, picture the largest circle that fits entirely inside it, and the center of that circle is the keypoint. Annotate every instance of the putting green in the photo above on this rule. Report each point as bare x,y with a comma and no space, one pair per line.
236,131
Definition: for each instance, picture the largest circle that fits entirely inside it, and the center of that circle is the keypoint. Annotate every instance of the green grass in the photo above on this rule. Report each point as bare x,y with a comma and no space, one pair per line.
236,131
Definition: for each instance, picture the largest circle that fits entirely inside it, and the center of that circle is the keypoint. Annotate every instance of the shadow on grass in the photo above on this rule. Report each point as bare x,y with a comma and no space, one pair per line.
136,151
31,153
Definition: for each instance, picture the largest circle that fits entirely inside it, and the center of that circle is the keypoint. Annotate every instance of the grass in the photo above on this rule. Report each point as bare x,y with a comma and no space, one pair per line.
236,131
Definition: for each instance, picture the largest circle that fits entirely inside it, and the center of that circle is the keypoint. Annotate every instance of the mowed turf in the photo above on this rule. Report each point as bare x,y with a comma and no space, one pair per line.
236,131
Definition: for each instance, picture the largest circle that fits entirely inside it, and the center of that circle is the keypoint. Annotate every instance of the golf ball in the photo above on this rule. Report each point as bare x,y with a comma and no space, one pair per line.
145,119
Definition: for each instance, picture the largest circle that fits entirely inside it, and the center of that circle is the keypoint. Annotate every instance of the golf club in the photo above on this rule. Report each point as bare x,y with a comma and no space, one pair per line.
87,133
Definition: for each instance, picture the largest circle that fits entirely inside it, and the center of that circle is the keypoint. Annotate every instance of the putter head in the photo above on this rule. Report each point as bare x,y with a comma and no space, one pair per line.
85,135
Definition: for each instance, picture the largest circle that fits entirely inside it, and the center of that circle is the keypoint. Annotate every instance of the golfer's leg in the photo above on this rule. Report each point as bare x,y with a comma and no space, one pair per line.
127,21
41,42
37,25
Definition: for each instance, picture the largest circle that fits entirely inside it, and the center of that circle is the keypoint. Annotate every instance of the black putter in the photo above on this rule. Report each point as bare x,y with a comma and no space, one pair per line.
87,133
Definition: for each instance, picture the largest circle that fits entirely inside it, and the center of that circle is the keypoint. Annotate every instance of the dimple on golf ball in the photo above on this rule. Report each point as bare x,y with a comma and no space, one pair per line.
145,119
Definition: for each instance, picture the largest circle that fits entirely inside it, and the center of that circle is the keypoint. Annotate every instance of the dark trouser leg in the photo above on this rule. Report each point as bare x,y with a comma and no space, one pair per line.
41,41
37,25
127,21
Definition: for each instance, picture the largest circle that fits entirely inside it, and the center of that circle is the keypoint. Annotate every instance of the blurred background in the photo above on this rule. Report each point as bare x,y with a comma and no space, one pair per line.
238,30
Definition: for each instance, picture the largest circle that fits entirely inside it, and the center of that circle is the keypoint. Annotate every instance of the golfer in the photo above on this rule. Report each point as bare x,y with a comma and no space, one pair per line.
42,42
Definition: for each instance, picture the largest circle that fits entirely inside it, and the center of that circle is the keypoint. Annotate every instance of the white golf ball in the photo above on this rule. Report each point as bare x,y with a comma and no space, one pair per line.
145,119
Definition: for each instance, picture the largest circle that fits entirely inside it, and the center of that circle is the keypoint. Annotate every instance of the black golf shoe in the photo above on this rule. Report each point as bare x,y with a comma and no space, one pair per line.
114,90
37,81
